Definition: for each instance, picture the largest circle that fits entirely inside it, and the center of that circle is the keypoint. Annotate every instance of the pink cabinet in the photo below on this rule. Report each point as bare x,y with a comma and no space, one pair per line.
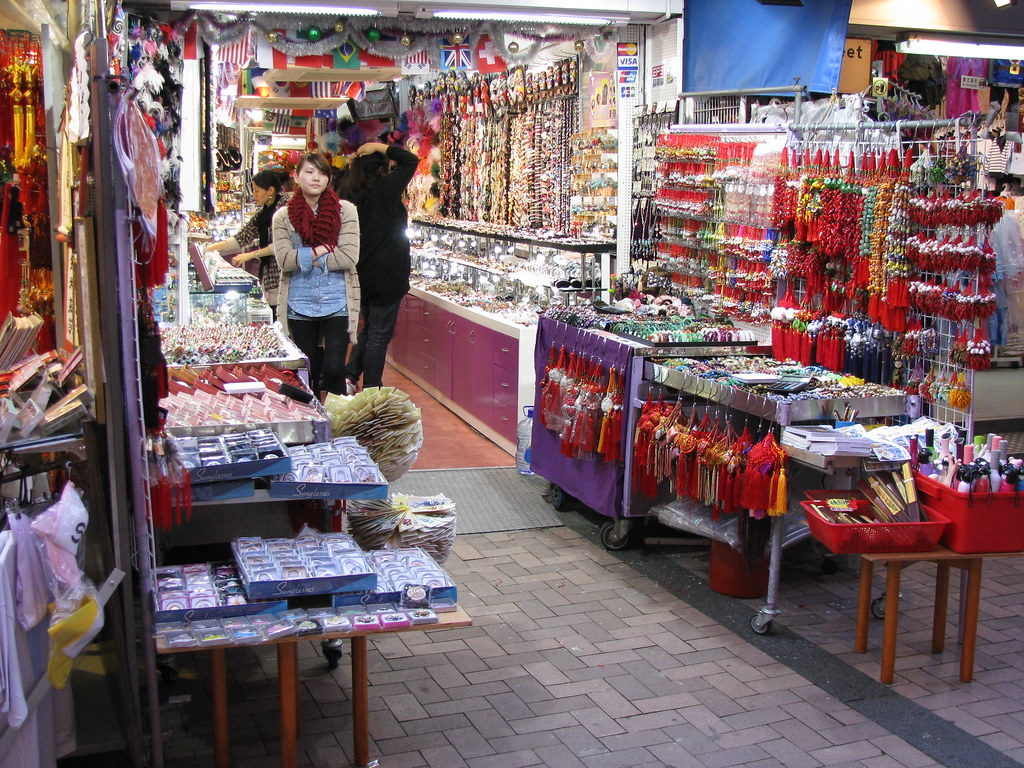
465,363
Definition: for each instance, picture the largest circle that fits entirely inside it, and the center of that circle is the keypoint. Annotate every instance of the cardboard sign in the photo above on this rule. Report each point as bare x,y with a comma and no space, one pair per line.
855,75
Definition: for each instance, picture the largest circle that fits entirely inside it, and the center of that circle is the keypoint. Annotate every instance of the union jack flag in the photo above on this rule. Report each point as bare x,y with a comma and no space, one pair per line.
456,55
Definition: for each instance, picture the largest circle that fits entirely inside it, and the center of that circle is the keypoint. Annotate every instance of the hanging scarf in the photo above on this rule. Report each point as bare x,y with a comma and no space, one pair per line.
321,228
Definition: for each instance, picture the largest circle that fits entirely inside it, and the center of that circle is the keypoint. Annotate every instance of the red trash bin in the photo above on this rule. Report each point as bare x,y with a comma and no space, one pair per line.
728,573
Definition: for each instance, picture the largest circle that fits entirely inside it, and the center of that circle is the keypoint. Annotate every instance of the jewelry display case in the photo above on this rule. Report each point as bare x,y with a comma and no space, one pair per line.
466,330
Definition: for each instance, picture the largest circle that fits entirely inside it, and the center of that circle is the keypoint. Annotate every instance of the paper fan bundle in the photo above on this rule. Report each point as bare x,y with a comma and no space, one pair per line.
427,522
385,422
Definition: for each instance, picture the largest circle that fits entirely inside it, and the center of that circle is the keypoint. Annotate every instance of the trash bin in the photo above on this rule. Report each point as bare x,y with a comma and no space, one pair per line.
728,573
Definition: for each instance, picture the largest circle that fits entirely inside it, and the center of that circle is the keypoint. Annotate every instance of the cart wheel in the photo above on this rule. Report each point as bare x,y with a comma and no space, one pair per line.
332,653
878,607
558,498
829,567
610,540
761,624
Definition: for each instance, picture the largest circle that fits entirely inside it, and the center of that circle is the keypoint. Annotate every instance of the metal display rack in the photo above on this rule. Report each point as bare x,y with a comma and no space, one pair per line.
644,373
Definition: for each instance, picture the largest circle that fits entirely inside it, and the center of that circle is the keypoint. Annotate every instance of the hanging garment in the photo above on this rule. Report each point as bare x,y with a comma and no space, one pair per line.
32,592
961,100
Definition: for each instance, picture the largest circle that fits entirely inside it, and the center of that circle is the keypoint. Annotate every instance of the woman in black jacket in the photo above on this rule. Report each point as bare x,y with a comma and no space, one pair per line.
375,181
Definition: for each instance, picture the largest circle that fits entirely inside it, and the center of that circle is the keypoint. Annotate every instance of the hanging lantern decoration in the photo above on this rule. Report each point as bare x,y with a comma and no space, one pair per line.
456,39
405,40
578,46
313,34
339,27
513,47
272,37
373,35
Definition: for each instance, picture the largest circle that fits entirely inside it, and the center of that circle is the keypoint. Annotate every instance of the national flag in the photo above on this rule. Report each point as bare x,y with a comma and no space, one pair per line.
368,59
346,56
190,47
455,55
416,64
356,91
239,53
283,60
486,58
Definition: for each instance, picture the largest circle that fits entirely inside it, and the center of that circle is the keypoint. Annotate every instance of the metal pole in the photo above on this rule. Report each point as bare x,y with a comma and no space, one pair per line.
797,89
886,126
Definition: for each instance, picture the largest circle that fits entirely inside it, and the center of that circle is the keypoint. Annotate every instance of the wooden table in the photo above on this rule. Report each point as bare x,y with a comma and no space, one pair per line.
970,597
288,688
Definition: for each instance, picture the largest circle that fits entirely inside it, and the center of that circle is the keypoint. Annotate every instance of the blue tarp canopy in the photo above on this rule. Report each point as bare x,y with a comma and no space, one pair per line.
744,44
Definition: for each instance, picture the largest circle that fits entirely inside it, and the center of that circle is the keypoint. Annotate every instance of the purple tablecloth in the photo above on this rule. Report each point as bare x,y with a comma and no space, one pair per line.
592,480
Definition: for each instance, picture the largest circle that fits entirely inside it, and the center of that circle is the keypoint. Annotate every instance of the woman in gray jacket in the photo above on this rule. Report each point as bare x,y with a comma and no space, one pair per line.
316,242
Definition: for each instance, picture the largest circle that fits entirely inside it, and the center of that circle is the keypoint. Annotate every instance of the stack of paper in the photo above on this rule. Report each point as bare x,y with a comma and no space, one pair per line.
17,335
385,422
826,441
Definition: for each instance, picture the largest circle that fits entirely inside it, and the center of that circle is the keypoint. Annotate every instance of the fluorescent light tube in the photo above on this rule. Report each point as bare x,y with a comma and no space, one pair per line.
964,48
1003,3
229,7
540,18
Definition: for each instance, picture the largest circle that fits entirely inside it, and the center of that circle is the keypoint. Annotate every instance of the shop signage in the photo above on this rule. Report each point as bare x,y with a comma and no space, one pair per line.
628,56
972,83
880,87
855,74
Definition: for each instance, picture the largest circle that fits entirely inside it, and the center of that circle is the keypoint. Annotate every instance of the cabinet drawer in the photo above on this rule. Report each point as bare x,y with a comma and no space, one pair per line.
503,419
506,385
506,352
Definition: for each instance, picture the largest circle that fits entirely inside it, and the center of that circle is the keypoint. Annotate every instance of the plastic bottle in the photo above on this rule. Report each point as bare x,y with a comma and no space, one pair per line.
524,435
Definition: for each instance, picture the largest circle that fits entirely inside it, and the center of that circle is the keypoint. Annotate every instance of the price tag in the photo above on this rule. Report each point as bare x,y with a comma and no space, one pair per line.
880,87
972,83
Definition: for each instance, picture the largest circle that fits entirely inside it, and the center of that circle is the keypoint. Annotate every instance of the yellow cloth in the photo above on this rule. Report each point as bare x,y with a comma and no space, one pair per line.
70,634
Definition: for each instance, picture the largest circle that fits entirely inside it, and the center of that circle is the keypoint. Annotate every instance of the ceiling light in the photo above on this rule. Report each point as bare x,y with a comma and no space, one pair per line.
1004,3
229,7
540,18
976,48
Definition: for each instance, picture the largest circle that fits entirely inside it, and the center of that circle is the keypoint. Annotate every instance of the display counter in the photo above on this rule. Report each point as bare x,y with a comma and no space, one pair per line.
476,364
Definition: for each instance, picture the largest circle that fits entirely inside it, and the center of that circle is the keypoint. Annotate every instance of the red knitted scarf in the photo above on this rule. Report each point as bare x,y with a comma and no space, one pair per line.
321,228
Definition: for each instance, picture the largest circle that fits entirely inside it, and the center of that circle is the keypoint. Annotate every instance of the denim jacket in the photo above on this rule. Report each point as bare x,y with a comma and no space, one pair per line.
313,290
338,287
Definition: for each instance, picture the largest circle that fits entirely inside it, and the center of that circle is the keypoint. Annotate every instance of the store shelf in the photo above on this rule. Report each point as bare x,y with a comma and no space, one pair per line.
61,442
608,247
262,496
317,74
784,412
479,316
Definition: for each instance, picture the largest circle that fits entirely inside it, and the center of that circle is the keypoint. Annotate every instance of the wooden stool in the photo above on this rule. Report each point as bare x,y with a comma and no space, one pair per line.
944,559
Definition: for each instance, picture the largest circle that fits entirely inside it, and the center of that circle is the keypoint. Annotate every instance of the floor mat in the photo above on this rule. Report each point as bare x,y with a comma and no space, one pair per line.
486,500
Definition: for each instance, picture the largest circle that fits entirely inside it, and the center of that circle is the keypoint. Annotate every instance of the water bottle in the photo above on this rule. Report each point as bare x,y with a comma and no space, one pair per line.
524,432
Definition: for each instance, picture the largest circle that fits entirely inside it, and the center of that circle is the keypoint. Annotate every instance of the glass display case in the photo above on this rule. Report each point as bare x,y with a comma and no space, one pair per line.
502,271
467,329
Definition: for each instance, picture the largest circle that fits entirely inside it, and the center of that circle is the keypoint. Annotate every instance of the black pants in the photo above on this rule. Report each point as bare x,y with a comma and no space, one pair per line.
371,349
326,365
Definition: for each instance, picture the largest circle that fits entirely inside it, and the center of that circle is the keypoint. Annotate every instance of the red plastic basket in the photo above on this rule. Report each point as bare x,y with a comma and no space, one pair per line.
978,522
868,538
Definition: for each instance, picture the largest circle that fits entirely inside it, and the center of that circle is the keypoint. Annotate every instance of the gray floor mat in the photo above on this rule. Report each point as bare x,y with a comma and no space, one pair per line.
487,500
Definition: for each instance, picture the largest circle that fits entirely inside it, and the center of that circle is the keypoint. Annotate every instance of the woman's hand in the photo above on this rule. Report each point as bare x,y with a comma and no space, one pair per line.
241,258
370,147
319,252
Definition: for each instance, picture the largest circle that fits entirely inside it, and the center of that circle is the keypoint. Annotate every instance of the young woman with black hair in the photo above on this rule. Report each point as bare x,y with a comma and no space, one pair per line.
316,242
375,181
268,193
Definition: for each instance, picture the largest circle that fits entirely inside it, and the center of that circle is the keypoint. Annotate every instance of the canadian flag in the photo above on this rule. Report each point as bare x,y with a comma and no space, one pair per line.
486,58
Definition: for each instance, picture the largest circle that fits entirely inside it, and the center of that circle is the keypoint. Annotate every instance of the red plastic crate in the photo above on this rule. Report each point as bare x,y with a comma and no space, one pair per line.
978,522
867,538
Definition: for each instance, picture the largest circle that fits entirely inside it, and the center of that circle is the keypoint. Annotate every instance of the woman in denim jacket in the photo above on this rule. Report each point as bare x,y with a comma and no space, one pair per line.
316,242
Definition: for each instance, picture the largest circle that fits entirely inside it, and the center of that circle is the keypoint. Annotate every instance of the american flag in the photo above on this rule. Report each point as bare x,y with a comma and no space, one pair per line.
239,53
282,122
416,64
455,55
